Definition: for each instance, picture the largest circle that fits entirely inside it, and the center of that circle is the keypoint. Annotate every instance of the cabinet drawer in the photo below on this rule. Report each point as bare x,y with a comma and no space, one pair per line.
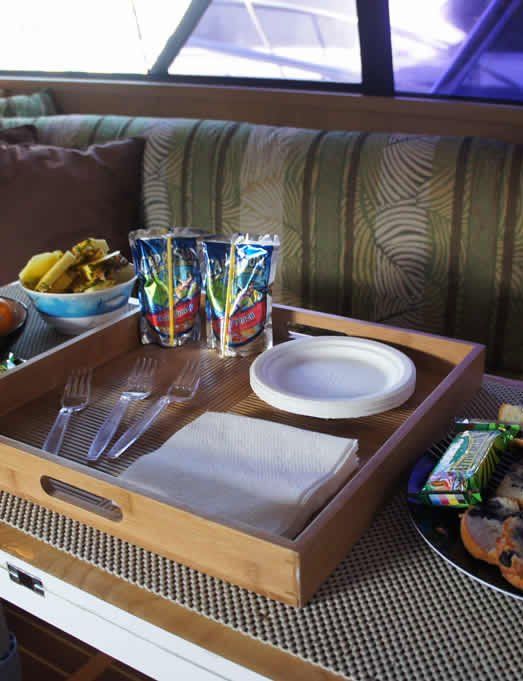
114,631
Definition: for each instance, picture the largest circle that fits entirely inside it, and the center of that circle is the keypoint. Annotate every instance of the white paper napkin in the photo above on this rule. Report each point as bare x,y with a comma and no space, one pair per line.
270,476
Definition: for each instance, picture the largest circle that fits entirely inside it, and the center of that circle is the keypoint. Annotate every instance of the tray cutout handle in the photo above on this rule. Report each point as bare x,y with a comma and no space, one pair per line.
79,497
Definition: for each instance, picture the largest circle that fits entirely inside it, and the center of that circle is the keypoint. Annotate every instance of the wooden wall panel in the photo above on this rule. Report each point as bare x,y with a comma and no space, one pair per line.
281,107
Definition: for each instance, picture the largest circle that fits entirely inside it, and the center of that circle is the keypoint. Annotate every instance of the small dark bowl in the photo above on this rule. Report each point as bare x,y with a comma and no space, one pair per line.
20,317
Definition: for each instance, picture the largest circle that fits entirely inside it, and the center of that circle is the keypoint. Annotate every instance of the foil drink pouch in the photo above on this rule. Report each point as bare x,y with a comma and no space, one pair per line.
169,284
238,273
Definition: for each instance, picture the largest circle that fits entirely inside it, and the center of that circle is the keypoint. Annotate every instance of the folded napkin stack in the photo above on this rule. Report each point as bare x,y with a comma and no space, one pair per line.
239,469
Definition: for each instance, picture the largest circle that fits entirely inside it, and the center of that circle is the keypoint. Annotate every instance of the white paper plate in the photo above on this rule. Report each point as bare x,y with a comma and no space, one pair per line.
333,377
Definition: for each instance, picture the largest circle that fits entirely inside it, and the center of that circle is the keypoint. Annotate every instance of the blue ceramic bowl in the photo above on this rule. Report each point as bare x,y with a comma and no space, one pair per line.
74,313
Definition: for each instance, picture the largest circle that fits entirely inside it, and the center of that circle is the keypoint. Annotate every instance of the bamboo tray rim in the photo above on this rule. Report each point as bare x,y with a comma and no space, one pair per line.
362,473
286,569
71,341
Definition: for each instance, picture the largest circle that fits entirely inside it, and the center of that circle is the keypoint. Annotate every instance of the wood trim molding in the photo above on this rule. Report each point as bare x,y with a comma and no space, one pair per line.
307,109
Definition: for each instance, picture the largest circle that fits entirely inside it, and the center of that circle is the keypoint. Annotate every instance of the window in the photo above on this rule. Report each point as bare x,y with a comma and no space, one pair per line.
99,36
277,39
450,48
288,39
470,48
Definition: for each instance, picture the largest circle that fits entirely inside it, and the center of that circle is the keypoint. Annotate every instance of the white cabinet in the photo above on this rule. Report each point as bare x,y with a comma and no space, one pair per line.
114,631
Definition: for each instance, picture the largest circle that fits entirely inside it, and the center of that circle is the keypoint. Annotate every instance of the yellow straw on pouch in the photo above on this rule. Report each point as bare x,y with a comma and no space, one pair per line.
225,331
170,292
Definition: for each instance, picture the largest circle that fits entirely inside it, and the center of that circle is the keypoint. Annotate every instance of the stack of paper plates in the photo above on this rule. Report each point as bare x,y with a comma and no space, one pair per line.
333,377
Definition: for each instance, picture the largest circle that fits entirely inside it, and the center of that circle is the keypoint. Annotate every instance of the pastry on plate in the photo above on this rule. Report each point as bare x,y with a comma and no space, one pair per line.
511,485
510,550
511,413
482,525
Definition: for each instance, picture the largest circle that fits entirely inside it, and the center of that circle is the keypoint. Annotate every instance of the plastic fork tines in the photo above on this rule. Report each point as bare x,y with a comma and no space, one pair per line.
76,396
182,389
139,386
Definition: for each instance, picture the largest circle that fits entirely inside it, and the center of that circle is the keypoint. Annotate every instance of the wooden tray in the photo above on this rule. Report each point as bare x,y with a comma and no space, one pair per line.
449,372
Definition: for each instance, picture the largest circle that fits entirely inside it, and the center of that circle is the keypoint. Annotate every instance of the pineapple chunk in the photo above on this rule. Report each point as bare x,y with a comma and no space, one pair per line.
46,282
90,249
99,269
101,285
37,266
63,282
80,285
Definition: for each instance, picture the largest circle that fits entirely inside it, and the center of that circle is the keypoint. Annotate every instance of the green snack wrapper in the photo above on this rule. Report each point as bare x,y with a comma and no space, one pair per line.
9,362
483,424
463,472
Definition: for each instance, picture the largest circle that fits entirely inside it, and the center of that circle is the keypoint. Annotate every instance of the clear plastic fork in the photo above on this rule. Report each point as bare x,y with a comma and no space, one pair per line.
139,386
77,393
182,389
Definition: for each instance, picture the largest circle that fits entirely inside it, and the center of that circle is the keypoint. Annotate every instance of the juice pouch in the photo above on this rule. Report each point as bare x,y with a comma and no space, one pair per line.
238,273
169,284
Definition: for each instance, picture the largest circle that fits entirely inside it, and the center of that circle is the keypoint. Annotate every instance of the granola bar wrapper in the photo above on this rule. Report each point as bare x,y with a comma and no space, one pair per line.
463,424
464,471
238,274
9,362
167,265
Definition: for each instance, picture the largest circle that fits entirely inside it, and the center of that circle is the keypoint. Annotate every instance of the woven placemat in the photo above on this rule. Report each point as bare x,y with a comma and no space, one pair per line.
393,610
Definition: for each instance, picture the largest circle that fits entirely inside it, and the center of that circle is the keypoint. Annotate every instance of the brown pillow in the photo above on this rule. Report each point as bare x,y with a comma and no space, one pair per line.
22,134
52,197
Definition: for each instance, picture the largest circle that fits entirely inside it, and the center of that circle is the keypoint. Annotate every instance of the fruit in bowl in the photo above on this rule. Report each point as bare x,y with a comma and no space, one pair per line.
13,315
81,288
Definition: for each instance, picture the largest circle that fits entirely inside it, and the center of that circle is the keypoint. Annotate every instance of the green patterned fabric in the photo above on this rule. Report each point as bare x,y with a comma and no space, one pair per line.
428,230
37,104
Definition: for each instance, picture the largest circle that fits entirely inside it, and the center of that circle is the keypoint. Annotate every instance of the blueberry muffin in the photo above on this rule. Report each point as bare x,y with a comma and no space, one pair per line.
482,525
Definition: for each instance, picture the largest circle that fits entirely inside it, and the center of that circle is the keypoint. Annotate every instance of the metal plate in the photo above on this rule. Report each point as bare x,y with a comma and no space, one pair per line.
439,527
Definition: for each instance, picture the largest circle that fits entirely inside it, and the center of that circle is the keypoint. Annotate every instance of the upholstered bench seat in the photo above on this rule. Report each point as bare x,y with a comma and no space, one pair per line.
372,225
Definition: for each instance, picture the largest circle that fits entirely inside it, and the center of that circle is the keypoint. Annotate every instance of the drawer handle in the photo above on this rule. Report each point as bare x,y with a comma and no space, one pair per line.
81,498
25,579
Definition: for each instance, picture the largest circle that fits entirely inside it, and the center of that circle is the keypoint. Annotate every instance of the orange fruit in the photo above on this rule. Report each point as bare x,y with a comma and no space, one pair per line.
6,318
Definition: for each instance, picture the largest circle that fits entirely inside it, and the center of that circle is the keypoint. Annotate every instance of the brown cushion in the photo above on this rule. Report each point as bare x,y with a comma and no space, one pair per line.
22,134
51,198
